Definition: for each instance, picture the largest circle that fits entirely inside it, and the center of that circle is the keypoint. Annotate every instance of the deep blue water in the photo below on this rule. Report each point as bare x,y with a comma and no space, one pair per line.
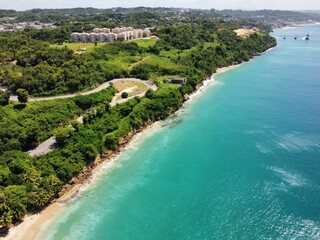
240,161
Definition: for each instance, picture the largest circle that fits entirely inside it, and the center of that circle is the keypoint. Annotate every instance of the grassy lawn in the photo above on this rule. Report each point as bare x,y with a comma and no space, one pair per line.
145,42
161,84
131,87
127,62
183,53
162,62
78,46
176,53
170,85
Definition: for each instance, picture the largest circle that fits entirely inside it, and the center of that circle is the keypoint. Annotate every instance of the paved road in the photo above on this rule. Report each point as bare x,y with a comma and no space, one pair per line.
43,148
98,89
48,145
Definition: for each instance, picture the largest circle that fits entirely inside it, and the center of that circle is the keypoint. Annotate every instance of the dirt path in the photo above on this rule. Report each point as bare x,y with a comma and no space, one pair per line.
142,60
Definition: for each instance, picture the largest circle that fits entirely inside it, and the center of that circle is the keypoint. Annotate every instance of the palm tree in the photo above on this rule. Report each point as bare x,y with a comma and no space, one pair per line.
31,176
6,219
42,197
19,212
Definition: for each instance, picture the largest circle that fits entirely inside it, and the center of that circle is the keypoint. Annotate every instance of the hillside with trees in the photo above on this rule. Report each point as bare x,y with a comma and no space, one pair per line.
31,65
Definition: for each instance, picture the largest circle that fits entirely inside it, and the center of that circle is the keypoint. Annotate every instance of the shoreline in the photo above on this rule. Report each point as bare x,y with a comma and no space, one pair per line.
35,225
224,69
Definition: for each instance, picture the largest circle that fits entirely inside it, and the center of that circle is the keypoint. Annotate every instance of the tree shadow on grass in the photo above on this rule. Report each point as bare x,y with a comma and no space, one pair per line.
20,106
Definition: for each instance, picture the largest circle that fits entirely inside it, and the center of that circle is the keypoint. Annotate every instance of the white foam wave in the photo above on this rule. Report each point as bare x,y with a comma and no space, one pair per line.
261,129
253,132
263,149
208,82
270,49
295,142
293,179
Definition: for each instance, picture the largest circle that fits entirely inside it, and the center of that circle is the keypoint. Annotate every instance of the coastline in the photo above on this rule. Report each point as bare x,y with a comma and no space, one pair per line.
224,69
34,226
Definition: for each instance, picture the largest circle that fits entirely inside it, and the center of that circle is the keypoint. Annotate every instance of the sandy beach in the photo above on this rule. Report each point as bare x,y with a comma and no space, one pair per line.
224,69
34,226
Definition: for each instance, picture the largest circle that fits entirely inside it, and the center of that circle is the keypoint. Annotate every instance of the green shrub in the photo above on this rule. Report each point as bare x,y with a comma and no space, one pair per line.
124,95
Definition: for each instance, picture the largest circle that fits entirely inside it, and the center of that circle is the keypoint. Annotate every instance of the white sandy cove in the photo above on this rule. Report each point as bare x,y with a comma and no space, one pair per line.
34,226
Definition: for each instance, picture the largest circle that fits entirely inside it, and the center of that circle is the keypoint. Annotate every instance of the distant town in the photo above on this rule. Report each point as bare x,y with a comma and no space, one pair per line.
9,26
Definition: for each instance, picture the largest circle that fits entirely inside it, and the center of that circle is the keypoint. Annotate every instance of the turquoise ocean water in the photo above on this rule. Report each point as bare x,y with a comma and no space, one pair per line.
239,161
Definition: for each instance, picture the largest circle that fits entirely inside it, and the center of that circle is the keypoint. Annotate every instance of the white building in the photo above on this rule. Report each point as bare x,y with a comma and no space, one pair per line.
123,36
75,37
97,30
146,33
111,37
106,30
107,35
85,37
93,37
116,30
102,37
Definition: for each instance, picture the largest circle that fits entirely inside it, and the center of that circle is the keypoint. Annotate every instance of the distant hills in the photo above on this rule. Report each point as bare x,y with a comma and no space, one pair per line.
310,11
276,18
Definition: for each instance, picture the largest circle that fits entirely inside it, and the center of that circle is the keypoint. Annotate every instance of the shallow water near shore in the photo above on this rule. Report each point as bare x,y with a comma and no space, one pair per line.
239,161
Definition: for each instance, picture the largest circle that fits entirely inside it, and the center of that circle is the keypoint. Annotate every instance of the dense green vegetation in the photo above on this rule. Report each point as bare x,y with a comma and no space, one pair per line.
29,65
22,127
43,70
29,183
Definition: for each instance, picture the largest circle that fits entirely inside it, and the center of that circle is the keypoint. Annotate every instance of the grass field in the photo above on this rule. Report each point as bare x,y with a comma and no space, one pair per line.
162,62
170,85
176,53
90,46
145,42
183,53
161,84
127,62
78,46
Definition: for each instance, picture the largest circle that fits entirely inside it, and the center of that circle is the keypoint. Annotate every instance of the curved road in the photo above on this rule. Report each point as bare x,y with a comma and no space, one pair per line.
48,145
101,87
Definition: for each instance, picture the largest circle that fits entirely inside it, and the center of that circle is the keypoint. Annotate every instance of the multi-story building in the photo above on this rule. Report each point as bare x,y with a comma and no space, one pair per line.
111,37
107,35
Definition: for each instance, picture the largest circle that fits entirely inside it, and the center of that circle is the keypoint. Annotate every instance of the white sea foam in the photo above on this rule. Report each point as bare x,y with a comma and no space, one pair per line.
253,132
293,179
263,149
260,129
205,84
270,49
295,142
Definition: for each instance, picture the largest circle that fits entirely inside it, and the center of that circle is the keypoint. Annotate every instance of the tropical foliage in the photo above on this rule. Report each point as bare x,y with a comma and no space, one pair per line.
29,67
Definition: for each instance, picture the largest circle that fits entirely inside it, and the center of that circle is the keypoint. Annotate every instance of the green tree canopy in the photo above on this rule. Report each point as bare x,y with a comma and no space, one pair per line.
22,95
4,98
